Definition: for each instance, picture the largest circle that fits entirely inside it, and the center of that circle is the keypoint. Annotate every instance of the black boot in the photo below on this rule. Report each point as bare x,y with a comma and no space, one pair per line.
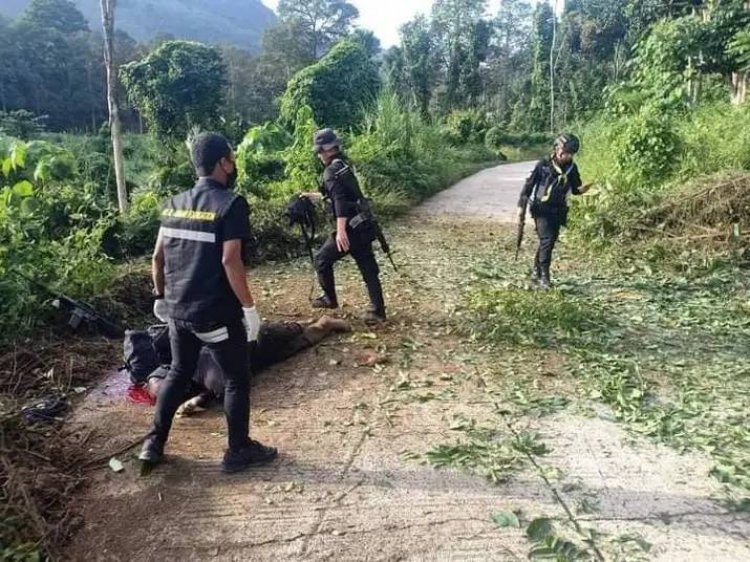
376,314
544,281
152,451
535,275
374,317
254,454
328,284
324,302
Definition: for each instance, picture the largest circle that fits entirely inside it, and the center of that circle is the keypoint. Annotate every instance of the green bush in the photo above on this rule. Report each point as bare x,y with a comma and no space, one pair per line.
338,88
642,161
51,232
260,158
646,149
468,125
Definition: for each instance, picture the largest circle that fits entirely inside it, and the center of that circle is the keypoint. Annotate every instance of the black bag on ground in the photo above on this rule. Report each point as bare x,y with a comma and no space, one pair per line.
144,351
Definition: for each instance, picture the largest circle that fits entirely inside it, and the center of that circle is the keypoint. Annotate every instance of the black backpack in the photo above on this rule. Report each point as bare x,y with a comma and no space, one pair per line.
144,351
301,211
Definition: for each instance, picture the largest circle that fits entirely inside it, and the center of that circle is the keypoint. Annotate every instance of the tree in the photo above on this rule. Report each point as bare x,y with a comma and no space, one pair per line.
513,25
56,69
252,87
320,22
368,40
108,25
418,62
60,15
456,27
541,52
178,86
338,88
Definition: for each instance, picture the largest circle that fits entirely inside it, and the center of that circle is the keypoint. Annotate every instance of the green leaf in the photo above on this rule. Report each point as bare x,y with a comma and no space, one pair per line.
23,189
539,529
505,519
18,155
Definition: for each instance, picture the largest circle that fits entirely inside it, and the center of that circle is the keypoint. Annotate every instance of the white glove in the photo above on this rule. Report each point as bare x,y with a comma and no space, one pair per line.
160,310
252,323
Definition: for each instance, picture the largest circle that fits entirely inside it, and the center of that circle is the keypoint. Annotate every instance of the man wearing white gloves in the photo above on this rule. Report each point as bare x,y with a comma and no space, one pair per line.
201,289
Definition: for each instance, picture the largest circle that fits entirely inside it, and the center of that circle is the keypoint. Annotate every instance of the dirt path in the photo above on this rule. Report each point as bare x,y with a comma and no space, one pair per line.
356,479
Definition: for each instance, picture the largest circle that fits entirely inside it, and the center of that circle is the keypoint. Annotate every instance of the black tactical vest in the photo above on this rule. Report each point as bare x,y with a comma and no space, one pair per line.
196,287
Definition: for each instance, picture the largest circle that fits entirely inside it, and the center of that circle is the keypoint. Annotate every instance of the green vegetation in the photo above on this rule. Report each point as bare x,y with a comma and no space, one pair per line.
335,100
666,354
178,86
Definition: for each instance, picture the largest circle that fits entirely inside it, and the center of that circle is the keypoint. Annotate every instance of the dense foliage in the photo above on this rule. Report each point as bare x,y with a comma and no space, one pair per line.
337,88
176,87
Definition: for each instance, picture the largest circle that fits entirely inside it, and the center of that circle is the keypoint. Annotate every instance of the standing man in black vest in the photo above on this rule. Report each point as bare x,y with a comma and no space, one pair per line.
545,193
354,232
201,289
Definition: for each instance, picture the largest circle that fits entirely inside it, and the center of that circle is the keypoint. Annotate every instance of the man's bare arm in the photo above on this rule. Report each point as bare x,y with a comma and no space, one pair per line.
235,269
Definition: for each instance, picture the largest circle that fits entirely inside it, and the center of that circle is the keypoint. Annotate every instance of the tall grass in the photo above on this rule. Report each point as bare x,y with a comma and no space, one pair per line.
401,157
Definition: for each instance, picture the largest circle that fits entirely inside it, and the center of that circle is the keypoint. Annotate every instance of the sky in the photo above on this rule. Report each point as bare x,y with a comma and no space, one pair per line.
385,17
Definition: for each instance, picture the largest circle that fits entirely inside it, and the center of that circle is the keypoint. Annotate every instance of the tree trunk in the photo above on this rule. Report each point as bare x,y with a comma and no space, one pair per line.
739,87
108,23
740,80
552,71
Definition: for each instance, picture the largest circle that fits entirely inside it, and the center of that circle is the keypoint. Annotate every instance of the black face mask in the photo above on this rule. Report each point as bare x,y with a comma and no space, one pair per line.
232,179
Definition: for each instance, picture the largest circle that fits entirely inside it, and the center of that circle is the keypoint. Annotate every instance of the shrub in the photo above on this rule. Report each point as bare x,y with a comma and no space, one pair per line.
338,88
468,125
641,162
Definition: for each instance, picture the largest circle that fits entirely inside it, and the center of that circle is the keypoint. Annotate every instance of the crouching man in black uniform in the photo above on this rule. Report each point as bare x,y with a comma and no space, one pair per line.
201,290
545,193
353,234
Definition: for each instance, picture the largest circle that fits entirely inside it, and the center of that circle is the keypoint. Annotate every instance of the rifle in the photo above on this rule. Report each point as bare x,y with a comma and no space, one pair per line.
384,243
521,227
81,312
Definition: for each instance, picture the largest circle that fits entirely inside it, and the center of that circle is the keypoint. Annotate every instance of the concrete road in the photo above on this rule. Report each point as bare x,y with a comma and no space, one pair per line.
492,193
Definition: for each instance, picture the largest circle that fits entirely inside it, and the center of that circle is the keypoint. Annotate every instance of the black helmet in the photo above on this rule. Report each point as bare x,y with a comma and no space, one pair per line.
568,142
325,139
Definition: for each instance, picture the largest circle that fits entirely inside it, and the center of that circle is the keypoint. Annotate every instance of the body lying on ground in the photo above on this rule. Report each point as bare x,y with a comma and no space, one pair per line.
277,341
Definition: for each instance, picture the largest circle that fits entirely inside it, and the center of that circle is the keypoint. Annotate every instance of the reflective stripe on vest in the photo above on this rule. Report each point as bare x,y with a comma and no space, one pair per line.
184,234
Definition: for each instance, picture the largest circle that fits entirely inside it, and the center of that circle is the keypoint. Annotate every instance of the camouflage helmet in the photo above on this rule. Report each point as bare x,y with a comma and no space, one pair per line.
568,142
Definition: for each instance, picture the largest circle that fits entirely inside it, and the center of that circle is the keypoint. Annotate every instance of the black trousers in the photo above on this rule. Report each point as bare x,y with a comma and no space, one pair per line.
231,355
548,230
361,250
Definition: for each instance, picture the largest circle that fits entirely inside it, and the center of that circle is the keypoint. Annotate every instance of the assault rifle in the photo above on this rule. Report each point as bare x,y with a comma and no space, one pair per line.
81,313
521,227
384,244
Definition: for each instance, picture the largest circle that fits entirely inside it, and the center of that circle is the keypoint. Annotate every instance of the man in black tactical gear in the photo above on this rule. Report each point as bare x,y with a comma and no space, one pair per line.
545,194
201,289
355,231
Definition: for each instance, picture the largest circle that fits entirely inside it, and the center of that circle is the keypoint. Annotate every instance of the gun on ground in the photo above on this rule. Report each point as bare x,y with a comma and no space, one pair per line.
81,313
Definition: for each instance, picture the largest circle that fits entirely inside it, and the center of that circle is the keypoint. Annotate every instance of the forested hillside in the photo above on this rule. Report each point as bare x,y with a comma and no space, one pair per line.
239,23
